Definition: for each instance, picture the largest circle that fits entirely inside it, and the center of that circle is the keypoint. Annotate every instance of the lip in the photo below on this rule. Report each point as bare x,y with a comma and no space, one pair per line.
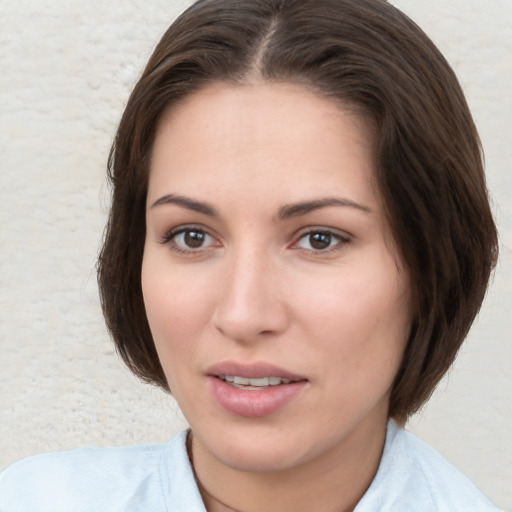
253,403
251,371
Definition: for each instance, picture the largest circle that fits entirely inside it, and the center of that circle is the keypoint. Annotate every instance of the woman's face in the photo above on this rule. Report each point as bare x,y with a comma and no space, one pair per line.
278,303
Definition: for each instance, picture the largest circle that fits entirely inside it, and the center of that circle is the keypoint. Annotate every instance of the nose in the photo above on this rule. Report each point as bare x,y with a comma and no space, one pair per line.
251,304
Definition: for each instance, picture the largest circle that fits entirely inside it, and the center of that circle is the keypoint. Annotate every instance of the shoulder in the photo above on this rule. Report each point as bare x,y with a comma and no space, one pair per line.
412,476
448,487
86,479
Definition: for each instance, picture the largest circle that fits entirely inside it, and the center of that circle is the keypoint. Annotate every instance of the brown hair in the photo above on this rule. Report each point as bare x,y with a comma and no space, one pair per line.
370,56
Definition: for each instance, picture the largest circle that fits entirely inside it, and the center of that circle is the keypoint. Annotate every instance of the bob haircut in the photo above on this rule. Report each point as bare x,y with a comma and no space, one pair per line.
371,58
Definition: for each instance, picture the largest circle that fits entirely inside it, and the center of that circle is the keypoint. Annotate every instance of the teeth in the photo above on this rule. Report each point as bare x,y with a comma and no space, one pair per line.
255,383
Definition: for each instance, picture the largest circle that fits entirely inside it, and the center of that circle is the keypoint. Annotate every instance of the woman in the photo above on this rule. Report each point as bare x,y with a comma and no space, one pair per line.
299,241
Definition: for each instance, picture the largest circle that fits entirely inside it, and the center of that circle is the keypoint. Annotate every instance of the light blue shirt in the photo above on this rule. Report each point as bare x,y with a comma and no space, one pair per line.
412,477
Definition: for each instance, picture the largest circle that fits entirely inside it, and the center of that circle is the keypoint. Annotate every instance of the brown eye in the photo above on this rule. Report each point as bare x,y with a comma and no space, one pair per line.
194,239
321,241
189,240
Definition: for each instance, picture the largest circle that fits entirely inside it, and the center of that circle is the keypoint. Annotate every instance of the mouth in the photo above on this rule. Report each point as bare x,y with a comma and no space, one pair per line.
254,389
257,375
255,384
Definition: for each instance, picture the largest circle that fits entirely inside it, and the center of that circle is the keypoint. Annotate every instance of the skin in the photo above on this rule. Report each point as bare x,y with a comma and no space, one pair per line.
255,288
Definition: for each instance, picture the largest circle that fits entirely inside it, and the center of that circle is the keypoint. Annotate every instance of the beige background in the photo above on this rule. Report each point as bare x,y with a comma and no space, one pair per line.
66,68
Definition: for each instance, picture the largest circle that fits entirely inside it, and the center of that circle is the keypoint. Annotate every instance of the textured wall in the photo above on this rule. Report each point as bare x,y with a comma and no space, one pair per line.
66,70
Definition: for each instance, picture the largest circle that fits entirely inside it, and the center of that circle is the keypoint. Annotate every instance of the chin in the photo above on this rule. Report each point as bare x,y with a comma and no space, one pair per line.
257,460
259,448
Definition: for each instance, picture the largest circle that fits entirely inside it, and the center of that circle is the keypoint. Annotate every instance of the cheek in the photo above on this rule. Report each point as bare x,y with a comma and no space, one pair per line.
359,345
360,324
172,296
177,308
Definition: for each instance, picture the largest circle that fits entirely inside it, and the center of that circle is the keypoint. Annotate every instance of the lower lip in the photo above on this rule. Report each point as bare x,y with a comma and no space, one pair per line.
254,403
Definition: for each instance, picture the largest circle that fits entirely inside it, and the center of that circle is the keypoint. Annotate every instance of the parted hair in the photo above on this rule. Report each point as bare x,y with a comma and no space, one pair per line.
368,56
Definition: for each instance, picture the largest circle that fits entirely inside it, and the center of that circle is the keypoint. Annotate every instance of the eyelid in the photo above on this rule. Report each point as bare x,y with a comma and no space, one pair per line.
343,237
170,235
168,239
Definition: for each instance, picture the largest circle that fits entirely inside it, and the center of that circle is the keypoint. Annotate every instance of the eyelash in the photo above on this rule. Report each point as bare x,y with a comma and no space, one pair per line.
340,240
170,239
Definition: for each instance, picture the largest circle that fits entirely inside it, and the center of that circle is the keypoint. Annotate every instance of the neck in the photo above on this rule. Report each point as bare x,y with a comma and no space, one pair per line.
333,482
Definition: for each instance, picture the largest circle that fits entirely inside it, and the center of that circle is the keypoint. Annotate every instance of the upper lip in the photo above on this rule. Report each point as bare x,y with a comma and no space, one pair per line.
251,370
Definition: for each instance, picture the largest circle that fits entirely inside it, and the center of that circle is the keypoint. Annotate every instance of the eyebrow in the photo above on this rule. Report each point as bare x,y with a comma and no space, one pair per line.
285,212
298,209
188,203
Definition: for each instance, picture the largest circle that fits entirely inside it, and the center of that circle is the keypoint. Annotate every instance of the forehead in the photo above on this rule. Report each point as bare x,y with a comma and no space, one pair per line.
266,137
